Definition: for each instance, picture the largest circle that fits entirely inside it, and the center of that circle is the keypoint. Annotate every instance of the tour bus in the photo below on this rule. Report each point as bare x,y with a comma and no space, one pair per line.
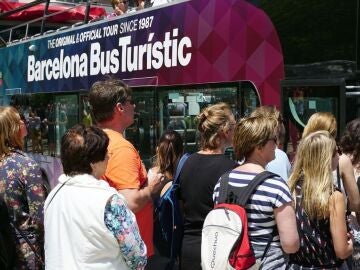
178,58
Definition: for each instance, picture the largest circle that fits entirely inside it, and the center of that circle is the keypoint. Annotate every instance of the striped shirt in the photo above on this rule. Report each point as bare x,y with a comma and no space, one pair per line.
270,194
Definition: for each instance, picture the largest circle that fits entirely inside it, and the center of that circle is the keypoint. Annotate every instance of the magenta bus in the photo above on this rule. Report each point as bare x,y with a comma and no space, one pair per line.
179,58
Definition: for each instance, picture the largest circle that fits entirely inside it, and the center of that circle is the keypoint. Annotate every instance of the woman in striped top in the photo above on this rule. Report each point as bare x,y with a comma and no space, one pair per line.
271,216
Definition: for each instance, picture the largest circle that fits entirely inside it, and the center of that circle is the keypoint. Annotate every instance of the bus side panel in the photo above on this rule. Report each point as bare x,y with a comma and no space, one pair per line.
186,42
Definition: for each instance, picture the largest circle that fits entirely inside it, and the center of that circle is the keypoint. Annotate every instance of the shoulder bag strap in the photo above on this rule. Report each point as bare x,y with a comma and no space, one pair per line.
179,167
56,193
29,243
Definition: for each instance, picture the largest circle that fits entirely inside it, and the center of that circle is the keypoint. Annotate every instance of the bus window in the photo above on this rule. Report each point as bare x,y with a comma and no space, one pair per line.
66,115
179,106
47,117
142,132
250,98
302,100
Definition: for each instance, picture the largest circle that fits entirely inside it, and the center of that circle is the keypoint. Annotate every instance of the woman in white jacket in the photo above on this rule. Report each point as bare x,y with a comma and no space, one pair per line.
87,223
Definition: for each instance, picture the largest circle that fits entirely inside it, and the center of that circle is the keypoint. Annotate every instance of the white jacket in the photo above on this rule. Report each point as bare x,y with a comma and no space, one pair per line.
76,236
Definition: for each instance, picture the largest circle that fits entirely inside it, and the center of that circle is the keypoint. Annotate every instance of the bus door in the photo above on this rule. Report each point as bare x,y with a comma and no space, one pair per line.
302,98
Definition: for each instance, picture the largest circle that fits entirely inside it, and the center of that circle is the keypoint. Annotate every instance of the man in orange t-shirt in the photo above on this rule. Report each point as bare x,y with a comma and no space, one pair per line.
113,110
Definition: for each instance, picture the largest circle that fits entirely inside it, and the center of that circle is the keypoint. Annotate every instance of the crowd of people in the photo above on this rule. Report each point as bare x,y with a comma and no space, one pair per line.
100,215
121,7
45,124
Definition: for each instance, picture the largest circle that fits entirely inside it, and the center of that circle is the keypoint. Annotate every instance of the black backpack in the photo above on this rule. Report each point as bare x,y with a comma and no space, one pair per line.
7,241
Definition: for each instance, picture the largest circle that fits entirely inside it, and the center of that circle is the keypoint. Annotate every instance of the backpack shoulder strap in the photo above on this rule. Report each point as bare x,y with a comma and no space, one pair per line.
179,167
246,192
224,195
240,195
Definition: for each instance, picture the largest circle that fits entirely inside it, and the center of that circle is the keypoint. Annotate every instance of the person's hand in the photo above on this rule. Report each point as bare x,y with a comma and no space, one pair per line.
155,183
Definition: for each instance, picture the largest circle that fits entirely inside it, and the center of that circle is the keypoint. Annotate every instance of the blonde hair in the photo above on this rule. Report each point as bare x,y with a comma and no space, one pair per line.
321,121
251,132
271,111
267,111
10,135
313,166
211,122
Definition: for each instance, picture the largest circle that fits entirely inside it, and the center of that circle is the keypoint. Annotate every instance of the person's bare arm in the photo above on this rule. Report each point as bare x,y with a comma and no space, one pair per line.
138,198
343,245
286,224
124,172
348,178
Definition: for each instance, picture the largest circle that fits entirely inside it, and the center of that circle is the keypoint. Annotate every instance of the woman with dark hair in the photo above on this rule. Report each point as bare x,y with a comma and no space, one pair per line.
23,189
168,153
199,175
88,224
350,145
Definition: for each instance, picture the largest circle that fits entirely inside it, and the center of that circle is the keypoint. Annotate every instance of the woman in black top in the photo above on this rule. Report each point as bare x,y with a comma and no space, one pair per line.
199,175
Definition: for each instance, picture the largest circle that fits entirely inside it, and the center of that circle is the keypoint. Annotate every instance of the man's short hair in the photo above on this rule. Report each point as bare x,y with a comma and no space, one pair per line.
81,146
104,95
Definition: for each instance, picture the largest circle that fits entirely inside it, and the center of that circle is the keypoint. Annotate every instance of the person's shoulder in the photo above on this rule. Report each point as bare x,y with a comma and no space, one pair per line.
344,160
217,159
118,145
19,159
281,154
276,177
226,160
20,156
336,198
152,171
116,138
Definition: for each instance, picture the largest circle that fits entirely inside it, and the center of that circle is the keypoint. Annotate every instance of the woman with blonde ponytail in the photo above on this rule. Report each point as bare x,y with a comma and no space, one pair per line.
319,206
199,175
